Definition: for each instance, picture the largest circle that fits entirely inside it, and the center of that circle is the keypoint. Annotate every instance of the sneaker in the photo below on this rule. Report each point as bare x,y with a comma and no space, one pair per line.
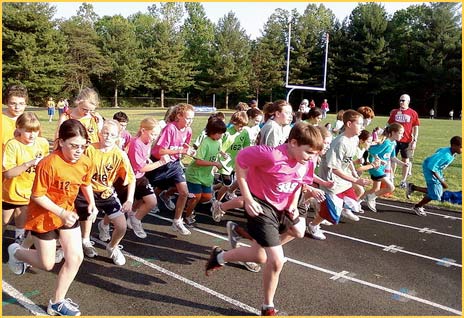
315,232
216,211
251,266
371,203
403,185
59,255
116,255
190,220
270,312
409,190
179,227
349,215
17,267
155,210
137,227
212,263
20,238
64,308
325,222
233,236
167,202
419,211
89,250
103,231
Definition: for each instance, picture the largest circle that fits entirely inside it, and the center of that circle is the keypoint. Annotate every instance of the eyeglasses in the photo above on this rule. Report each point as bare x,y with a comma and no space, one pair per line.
75,147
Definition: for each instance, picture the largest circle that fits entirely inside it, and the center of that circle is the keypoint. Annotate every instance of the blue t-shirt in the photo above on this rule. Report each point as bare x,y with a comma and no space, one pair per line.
385,151
437,163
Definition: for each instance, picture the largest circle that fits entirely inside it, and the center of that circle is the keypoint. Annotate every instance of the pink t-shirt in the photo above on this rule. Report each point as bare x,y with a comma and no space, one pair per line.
172,138
138,154
272,176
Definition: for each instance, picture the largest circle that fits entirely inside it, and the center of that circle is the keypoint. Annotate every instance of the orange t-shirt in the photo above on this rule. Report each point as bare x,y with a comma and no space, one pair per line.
60,181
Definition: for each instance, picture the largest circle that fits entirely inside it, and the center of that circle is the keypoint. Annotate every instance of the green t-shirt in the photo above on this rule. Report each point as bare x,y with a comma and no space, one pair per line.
232,142
208,151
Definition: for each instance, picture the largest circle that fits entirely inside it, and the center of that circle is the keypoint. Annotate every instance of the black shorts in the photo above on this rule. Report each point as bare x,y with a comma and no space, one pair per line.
167,175
227,180
267,227
11,206
110,206
401,147
142,189
55,234
378,177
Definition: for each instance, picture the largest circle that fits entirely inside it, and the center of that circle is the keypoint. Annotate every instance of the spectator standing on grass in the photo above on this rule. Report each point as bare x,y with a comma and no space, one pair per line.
433,168
409,119
270,181
15,99
324,108
60,105
312,104
451,114
86,103
51,214
51,109
432,113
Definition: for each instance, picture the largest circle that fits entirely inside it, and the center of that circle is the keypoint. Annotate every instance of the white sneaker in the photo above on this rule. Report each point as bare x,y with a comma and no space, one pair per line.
167,202
116,255
232,235
216,211
403,184
103,231
14,264
89,250
59,255
370,202
137,227
325,222
409,190
315,232
349,215
419,211
179,227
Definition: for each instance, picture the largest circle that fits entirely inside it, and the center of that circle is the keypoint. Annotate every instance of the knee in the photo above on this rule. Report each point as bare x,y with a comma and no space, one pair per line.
150,201
276,264
74,260
183,194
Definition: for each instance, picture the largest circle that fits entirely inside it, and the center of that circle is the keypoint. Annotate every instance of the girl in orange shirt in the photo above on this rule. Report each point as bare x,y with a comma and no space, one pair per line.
51,214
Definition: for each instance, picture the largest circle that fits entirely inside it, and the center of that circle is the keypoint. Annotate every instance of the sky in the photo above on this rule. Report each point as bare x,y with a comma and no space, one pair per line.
252,15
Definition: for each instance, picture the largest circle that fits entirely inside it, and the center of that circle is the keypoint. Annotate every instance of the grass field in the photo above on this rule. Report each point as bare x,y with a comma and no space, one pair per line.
432,135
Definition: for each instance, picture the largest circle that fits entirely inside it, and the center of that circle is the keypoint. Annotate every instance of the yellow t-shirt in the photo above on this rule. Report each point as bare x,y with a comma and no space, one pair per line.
17,190
8,129
108,167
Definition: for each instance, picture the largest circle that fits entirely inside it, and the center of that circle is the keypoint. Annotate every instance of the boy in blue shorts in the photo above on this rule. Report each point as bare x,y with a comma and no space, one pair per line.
433,167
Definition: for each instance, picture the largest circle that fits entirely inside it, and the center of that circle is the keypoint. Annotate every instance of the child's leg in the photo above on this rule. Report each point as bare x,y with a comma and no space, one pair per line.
389,187
145,205
43,256
120,226
271,272
181,200
417,188
232,204
73,256
191,204
254,253
7,215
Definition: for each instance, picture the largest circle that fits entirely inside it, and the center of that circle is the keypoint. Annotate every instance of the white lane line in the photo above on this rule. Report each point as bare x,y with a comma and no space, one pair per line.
388,248
23,300
410,209
187,281
332,273
429,231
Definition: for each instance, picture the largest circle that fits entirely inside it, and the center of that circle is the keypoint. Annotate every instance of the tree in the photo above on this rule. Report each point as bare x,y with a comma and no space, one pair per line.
120,47
231,63
33,49
84,58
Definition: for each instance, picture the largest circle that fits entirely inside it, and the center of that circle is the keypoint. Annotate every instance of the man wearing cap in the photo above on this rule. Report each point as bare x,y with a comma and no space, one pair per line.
409,119
253,103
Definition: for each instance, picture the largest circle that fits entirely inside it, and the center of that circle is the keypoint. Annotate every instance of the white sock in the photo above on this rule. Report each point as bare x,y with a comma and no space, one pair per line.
220,258
19,232
268,306
85,240
177,221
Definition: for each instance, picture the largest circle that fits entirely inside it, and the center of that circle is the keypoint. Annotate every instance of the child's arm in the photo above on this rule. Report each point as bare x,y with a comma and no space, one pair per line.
91,208
205,163
358,181
398,161
442,181
16,171
68,217
252,207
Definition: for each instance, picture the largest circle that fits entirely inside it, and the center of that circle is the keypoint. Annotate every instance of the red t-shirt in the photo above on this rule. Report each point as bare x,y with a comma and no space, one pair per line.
408,118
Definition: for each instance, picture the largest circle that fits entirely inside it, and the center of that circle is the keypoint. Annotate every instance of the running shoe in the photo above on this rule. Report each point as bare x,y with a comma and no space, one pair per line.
419,211
137,227
59,255
315,232
103,231
63,308
409,190
371,202
216,211
16,266
190,220
180,227
403,185
251,266
349,215
89,250
232,235
212,263
116,255
272,312
167,201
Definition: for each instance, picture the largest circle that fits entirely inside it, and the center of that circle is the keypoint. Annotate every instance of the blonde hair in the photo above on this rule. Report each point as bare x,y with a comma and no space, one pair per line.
88,95
112,122
28,121
148,123
180,109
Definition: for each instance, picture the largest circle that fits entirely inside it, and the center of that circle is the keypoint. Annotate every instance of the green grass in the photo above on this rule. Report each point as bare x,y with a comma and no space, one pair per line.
432,135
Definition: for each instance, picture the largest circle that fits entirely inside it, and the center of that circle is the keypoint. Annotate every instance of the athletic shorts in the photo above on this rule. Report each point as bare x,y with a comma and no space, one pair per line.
110,206
227,180
142,189
51,111
197,188
401,147
331,208
11,206
167,175
267,227
378,178
434,190
54,234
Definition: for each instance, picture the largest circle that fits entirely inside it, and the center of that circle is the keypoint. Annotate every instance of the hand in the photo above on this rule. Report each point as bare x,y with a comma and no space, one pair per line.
126,207
69,217
253,208
317,194
329,184
362,182
412,145
293,213
218,165
93,212
376,163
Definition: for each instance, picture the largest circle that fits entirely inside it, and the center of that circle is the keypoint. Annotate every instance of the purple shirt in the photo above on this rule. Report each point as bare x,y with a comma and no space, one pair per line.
172,138
138,154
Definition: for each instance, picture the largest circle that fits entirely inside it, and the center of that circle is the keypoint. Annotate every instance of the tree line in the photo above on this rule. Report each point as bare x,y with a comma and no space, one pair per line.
174,49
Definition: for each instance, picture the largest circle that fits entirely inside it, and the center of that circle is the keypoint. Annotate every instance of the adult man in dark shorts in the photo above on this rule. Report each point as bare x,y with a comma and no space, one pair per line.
409,119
